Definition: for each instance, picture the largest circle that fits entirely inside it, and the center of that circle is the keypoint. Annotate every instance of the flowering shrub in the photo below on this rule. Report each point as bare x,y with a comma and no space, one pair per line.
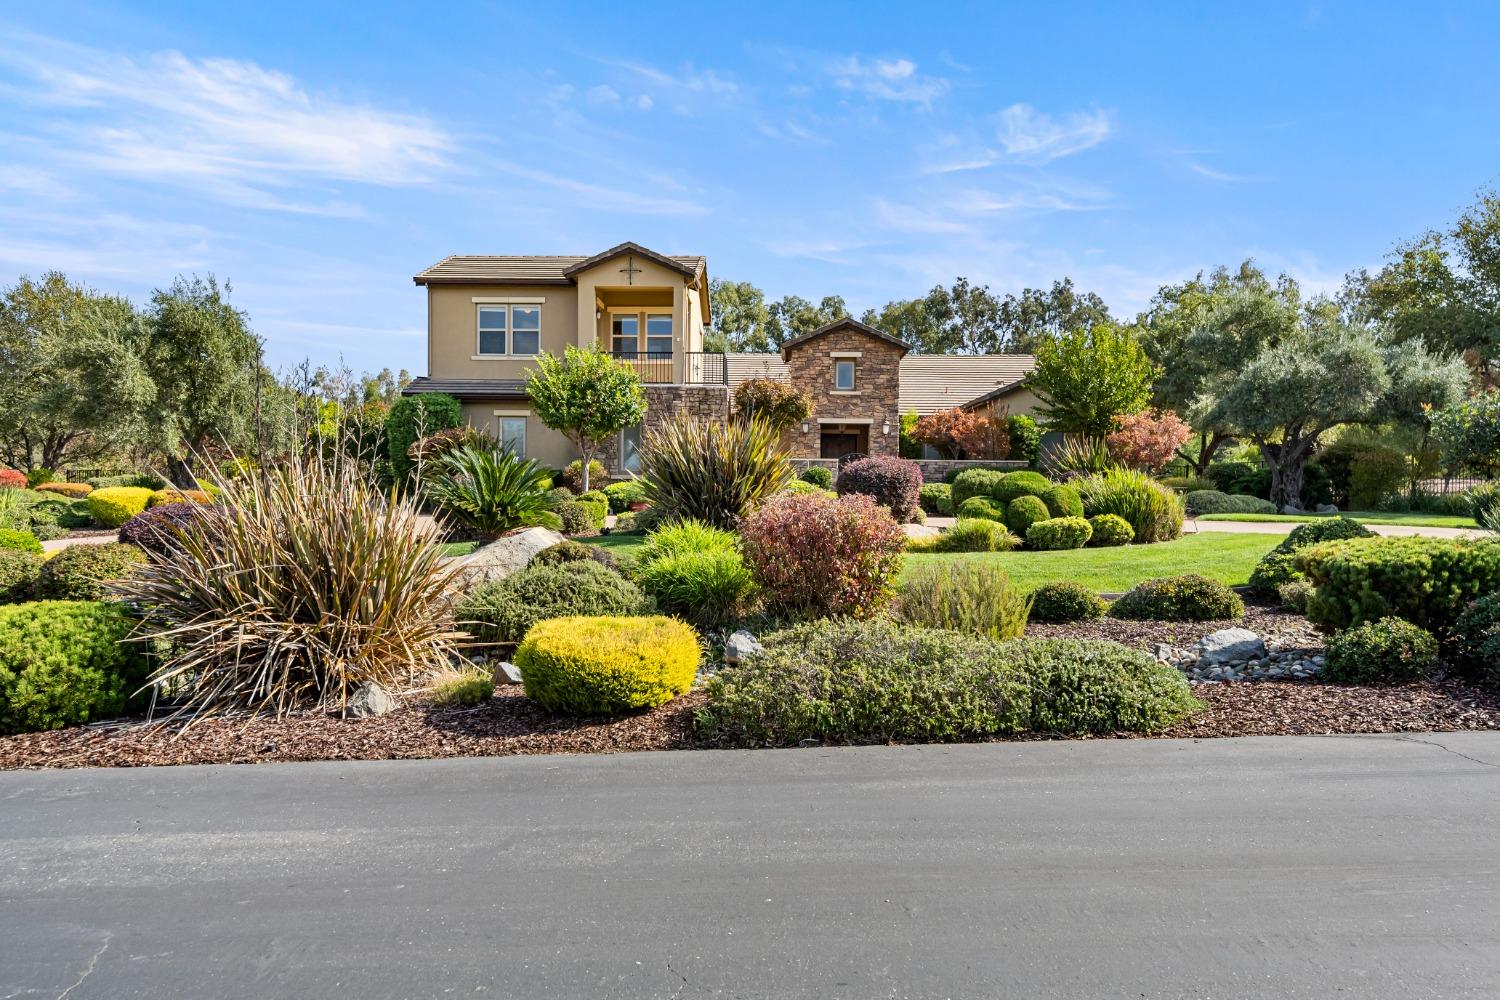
894,483
1148,440
959,432
816,555
10,479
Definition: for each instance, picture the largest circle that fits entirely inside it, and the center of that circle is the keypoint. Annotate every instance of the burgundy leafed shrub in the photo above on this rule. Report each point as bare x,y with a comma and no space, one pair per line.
894,483
815,555
157,529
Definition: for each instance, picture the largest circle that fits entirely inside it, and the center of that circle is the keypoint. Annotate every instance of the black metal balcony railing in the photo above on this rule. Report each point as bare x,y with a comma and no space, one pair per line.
656,367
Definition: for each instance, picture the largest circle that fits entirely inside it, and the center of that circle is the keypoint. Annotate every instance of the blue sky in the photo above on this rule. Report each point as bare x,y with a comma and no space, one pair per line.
317,161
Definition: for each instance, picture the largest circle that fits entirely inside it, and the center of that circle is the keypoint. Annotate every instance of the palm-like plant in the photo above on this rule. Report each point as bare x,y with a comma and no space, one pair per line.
491,490
714,471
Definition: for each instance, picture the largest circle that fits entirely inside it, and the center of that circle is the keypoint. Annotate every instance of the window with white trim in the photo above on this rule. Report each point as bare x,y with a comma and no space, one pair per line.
513,435
630,449
843,376
513,331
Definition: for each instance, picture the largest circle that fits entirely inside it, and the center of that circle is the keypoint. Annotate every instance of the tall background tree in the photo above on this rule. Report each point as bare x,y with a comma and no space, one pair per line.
72,384
205,363
740,316
1087,378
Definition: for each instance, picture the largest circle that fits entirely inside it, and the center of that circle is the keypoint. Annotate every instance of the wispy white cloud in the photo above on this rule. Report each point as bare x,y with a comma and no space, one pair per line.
599,196
685,91
1204,170
1032,136
887,79
215,120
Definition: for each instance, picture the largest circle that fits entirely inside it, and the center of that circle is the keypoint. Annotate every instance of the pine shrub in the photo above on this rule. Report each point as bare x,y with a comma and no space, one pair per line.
985,507
607,665
63,663
1187,598
1427,581
936,498
1066,601
975,483
18,573
81,572
1387,651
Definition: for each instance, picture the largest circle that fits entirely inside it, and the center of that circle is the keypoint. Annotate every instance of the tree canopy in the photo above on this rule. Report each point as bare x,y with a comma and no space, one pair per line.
1089,377
587,395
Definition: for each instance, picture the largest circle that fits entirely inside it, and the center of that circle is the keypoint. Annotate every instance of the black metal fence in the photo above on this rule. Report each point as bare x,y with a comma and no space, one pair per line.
657,367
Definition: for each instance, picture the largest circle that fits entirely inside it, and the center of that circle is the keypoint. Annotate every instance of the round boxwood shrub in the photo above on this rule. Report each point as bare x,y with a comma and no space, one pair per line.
63,663
1427,581
818,476
576,518
624,493
1022,484
1110,530
607,666
502,611
975,483
894,483
569,551
937,498
1188,598
18,573
976,534
1063,501
20,541
114,505
1066,601
842,681
1024,511
597,504
79,572
1059,533
1476,639
1200,502
986,507
1387,651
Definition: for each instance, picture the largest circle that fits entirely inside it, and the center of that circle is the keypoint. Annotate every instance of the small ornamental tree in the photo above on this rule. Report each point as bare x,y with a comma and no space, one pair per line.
588,396
1148,440
780,404
960,433
1088,378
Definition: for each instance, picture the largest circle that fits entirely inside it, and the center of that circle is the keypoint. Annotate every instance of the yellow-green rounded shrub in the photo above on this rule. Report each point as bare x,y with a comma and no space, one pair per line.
174,495
607,666
114,505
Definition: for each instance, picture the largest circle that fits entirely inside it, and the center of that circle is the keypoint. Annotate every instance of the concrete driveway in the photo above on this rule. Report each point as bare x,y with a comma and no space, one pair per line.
1269,868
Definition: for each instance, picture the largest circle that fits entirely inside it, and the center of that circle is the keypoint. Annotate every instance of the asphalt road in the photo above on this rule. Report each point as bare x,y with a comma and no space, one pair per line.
1279,868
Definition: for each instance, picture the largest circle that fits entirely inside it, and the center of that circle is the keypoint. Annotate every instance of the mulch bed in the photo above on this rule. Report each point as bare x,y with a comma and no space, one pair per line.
510,724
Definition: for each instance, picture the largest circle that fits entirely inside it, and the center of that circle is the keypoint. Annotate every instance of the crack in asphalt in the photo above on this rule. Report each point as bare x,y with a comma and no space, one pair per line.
88,971
1447,749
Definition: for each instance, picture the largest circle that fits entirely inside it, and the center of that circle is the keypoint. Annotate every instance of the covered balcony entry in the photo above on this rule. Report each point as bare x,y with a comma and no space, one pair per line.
639,326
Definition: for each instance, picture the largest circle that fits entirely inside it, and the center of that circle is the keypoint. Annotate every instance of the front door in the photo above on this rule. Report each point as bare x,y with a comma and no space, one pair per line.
838,442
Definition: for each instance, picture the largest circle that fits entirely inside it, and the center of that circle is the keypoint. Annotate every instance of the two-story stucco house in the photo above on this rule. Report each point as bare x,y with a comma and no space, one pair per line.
488,317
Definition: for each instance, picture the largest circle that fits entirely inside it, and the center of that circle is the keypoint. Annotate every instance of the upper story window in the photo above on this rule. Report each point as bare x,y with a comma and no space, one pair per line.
843,376
510,330
634,335
625,334
658,334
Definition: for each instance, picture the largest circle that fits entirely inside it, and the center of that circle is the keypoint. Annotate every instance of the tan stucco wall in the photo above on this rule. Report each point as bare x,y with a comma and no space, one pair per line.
542,443
453,327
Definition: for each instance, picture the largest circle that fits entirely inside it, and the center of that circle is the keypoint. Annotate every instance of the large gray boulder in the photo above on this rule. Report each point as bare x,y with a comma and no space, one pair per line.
370,700
741,645
1229,644
504,556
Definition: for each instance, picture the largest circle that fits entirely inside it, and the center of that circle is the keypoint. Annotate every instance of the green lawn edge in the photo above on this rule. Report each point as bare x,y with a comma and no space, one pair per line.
1362,516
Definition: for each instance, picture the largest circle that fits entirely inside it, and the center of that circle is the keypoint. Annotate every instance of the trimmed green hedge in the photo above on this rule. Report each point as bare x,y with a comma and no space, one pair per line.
1426,581
1059,533
607,666
62,663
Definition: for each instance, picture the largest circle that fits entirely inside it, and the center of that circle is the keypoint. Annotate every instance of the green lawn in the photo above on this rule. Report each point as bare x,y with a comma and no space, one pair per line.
1362,516
454,549
1221,555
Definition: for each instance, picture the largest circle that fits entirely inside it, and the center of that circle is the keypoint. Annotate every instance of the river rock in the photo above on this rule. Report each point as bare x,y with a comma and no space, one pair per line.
370,700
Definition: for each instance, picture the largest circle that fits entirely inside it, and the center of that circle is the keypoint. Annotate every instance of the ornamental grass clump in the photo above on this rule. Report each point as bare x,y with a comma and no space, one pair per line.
715,471
310,581
1153,511
972,597
815,556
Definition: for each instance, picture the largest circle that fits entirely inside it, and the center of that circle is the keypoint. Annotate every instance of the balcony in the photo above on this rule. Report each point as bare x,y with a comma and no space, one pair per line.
659,368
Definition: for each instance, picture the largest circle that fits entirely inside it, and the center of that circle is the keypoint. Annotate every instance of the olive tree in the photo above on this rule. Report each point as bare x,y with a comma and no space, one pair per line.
588,396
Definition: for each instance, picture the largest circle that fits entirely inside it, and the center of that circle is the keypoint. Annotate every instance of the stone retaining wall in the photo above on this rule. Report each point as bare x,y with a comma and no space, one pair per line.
933,469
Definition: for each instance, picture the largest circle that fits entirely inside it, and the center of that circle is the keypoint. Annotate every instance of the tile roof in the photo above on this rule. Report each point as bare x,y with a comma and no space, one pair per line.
503,269
468,388
929,382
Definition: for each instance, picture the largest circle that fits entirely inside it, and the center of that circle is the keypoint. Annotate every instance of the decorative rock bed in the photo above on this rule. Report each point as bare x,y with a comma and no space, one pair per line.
1238,654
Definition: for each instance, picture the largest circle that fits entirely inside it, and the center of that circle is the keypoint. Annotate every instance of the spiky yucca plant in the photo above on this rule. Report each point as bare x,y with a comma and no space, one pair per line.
304,583
491,490
715,471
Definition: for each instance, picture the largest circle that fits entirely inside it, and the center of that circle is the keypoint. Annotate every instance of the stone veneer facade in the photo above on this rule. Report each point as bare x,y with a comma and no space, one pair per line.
874,403
666,402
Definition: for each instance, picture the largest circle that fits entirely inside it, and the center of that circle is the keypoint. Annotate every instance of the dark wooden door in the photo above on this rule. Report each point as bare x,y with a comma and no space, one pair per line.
837,444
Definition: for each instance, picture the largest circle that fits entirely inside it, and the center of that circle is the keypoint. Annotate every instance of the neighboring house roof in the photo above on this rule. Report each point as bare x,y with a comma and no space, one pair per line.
934,382
929,382
996,394
468,388
530,270
844,324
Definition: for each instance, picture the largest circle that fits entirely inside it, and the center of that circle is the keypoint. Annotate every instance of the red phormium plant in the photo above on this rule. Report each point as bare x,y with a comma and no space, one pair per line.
1148,440
815,555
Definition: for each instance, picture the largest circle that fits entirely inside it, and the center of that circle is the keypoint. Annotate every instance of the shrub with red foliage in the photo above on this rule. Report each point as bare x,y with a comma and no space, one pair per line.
1148,440
157,529
816,555
894,483
10,479
960,433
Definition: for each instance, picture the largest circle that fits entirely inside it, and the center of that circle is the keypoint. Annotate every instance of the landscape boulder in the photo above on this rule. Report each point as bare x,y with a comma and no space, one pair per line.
1230,644
370,700
740,645
506,555
506,672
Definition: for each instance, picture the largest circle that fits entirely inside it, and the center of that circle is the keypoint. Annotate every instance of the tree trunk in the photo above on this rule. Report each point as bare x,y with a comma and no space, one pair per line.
1287,461
181,473
1208,446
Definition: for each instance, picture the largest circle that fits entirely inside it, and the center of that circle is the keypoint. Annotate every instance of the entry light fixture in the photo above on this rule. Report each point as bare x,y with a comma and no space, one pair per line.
805,427
885,426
